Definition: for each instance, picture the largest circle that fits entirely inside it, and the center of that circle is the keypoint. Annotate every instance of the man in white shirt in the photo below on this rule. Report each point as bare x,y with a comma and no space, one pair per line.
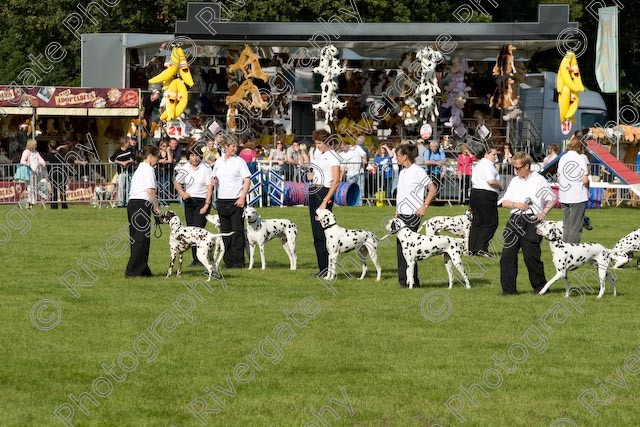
483,202
530,198
573,180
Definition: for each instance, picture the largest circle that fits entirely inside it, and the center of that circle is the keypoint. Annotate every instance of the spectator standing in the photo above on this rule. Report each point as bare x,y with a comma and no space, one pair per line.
384,166
573,181
530,198
277,157
124,160
34,161
58,174
193,183
355,162
552,152
232,178
465,168
411,204
165,172
294,160
210,153
250,156
142,202
434,159
485,188
325,165
505,158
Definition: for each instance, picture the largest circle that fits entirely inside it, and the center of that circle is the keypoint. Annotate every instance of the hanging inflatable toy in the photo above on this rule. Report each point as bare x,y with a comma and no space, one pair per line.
568,84
175,78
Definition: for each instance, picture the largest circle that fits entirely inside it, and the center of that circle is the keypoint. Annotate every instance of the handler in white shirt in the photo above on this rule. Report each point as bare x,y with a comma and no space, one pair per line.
483,202
573,180
411,204
530,198
232,178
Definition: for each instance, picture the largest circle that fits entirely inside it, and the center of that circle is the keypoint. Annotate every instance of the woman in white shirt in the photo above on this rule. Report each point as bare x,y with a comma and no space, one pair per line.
232,178
143,201
326,177
411,204
530,198
34,161
573,180
192,181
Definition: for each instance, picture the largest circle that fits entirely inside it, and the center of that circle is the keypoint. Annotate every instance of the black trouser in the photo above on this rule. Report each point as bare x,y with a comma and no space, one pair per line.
231,220
520,232
466,188
483,204
139,215
316,194
413,222
58,179
192,214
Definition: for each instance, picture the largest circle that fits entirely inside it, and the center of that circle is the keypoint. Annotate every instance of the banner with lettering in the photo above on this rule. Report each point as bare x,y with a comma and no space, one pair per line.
68,97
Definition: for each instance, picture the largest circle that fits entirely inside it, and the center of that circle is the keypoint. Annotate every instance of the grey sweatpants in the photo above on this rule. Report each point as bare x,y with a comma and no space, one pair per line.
572,214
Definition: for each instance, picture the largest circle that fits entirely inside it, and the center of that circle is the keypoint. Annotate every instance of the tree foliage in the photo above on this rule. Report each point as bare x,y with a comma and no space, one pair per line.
27,27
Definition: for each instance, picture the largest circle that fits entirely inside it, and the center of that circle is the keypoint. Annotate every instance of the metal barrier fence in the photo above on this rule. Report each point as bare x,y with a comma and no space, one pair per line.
101,185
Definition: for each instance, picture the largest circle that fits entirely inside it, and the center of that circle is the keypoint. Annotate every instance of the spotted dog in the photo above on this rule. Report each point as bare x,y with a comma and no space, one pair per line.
340,240
183,238
622,252
459,225
103,194
260,231
570,256
218,250
416,247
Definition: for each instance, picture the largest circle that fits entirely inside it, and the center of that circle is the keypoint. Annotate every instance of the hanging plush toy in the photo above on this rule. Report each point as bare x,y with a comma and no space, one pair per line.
330,69
249,65
568,84
428,86
175,79
457,93
503,70
408,112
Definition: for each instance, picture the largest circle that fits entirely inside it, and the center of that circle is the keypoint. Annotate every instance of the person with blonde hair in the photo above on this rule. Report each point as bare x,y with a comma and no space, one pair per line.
34,161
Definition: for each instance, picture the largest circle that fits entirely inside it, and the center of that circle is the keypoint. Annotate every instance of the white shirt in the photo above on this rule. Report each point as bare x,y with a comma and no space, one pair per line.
194,181
143,179
411,189
483,172
536,188
352,160
571,168
230,173
322,164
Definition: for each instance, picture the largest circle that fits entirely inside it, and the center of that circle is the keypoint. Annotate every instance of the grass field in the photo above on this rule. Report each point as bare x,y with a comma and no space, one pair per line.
277,347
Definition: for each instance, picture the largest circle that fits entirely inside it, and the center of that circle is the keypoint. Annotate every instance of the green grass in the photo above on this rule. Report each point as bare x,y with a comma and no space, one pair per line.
369,339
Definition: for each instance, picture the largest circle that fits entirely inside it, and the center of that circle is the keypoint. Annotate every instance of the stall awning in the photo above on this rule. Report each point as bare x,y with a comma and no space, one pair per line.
16,111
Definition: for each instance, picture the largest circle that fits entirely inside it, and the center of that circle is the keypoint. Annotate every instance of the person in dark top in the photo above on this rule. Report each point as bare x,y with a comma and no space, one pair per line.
58,174
151,103
124,158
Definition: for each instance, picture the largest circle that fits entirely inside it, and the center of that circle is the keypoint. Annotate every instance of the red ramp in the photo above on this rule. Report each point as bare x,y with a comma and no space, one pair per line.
626,175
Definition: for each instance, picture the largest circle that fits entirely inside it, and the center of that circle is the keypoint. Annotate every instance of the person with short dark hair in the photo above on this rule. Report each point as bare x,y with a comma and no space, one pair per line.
411,202
124,158
530,198
231,176
483,201
143,201
325,165
193,183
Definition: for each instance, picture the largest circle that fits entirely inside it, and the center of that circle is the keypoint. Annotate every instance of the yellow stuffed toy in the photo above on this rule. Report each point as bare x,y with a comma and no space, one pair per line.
568,84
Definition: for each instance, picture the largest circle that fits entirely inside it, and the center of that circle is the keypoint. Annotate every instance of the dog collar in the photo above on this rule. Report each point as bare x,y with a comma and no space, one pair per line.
324,228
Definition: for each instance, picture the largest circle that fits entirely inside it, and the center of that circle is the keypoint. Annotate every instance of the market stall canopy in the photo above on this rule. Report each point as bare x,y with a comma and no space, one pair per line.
474,40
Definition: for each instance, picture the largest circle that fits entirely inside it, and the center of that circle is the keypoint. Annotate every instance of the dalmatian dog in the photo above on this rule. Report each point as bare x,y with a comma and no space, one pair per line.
340,240
622,252
570,256
183,238
459,225
260,231
218,250
416,247
102,195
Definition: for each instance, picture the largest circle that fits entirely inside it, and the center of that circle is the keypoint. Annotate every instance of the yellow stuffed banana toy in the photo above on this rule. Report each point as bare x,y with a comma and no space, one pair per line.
568,84
175,91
